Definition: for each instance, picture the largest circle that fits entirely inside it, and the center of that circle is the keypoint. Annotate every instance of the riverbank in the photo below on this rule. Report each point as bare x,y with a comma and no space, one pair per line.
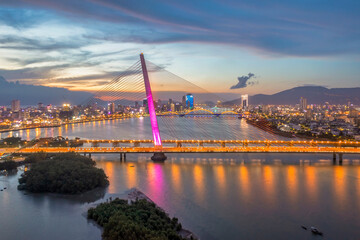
59,125
267,127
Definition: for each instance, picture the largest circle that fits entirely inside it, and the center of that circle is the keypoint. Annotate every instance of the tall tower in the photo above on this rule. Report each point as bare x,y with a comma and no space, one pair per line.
190,101
303,103
244,101
15,105
158,156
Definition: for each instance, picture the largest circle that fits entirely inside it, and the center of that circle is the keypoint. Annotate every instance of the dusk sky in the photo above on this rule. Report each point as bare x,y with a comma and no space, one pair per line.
81,44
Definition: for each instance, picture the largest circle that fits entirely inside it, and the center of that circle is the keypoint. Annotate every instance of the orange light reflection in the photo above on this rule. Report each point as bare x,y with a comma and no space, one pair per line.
292,181
131,172
244,182
311,182
199,182
109,170
339,184
176,177
269,183
220,178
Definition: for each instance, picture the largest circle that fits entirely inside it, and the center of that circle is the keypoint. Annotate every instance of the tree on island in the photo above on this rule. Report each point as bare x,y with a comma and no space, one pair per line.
141,220
68,173
8,165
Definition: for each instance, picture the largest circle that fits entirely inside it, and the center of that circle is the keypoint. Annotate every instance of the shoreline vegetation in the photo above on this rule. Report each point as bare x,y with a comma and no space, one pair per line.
136,217
8,165
68,173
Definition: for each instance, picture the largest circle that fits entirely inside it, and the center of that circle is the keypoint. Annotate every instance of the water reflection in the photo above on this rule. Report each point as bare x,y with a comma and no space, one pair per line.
140,127
156,182
244,182
268,179
176,178
339,185
131,174
358,183
213,200
292,182
199,183
109,171
311,183
220,179
59,131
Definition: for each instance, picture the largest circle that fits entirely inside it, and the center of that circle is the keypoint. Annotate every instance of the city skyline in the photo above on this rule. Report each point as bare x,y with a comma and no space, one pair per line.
82,46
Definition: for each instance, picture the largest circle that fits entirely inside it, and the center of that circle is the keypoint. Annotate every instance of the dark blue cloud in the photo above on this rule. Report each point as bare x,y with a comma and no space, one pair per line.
244,81
300,28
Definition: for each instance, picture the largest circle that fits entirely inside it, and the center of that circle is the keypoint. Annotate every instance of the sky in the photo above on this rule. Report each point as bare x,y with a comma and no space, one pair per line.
231,46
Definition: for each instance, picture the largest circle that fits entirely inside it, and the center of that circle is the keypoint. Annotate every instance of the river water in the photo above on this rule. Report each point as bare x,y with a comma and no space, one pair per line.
217,196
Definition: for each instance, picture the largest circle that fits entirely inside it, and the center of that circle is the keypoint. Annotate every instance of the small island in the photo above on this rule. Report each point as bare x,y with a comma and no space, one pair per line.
137,218
68,173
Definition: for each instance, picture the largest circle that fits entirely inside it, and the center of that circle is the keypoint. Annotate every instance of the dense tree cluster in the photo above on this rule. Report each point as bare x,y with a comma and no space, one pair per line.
11,142
8,165
68,173
37,157
141,220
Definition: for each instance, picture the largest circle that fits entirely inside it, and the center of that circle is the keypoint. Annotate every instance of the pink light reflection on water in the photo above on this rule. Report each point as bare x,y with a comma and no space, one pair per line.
156,182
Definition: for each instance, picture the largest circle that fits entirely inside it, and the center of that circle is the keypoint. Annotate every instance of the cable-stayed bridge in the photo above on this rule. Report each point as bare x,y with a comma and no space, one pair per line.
133,86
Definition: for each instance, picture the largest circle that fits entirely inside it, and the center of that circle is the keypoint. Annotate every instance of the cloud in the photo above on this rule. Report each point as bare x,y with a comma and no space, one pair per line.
244,81
61,40
297,28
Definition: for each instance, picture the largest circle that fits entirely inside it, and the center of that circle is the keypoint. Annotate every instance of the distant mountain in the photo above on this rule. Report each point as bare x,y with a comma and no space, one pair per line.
313,94
32,95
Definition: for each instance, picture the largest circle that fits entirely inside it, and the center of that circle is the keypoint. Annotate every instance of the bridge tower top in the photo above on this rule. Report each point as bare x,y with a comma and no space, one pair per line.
150,101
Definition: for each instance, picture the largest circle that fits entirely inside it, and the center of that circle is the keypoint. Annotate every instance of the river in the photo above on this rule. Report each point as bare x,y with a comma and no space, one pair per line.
217,196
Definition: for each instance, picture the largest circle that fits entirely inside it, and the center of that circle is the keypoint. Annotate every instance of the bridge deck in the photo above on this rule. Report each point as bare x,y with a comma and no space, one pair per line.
270,149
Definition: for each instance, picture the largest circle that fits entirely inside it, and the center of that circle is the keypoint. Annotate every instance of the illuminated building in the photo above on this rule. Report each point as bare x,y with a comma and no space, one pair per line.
303,103
189,101
15,105
183,102
111,108
244,101
66,107
145,105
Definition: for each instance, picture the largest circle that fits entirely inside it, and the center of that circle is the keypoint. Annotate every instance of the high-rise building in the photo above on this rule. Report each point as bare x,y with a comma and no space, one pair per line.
183,102
244,101
169,104
145,105
111,108
178,107
158,104
353,113
66,107
120,108
15,105
303,103
189,101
